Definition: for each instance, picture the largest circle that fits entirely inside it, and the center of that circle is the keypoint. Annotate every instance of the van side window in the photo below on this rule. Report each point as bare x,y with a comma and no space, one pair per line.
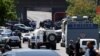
85,42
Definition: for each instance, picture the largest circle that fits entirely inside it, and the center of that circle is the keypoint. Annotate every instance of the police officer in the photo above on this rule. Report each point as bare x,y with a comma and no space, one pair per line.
90,51
71,48
77,48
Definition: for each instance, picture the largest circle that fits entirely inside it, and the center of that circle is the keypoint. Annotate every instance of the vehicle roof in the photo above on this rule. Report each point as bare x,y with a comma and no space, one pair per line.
6,31
14,37
34,52
19,24
89,39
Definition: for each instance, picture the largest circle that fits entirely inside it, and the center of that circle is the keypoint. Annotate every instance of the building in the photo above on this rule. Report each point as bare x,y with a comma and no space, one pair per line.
53,6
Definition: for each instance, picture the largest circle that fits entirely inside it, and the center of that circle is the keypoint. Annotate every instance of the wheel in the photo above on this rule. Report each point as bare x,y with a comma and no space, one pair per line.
38,47
23,41
47,46
58,41
3,51
20,46
62,44
52,38
53,46
33,46
29,46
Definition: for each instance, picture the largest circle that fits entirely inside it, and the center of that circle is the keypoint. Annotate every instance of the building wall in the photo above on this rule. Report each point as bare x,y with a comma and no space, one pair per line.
24,5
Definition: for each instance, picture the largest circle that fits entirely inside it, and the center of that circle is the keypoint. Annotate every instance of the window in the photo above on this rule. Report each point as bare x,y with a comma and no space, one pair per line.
38,37
1,31
22,25
33,37
27,34
85,42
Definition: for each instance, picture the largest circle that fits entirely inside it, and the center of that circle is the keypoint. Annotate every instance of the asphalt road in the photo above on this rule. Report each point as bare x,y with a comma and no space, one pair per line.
60,50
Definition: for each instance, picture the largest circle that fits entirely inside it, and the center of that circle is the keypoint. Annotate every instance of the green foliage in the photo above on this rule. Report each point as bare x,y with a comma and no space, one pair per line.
81,7
7,10
97,20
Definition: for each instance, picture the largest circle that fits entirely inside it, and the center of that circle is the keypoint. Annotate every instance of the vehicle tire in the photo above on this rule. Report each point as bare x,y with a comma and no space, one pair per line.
29,46
20,46
33,46
52,38
53,46
58,40
23,41
38,47
62,44
3,51
48,46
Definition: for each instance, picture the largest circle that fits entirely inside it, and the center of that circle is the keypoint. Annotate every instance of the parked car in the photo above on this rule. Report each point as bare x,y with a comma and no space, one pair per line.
14,41
10,24
1,30
22,28
30,52
26,36
6,33
2,43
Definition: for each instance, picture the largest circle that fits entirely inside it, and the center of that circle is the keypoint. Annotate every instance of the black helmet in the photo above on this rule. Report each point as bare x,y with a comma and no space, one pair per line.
41,24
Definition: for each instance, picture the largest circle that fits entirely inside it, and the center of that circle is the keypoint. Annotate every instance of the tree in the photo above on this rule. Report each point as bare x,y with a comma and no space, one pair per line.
7,11
81,7
96,19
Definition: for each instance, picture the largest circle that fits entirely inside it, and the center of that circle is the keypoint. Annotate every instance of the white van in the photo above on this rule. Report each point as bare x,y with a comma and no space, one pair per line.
83,43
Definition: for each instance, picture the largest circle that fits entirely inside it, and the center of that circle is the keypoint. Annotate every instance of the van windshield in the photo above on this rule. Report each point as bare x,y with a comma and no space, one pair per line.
85,42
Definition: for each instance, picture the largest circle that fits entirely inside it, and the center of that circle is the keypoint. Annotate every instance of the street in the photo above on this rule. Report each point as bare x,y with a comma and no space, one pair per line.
26,25
60,50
